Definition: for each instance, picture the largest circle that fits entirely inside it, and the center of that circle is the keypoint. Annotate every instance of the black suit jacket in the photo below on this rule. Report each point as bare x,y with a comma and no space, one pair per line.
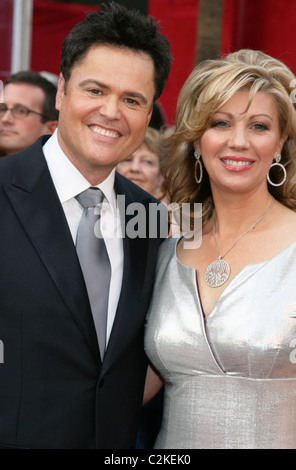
54,391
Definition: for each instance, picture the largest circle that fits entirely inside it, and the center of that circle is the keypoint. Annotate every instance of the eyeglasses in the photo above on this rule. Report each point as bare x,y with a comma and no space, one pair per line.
18,111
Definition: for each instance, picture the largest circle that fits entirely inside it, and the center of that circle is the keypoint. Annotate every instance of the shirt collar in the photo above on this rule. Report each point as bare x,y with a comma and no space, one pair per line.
67,180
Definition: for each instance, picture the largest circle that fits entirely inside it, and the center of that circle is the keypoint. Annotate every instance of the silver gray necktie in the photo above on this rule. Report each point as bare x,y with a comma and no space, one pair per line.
94,260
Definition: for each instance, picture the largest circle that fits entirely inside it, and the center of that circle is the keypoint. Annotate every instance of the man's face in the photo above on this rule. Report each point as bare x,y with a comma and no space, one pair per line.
105,108
17,134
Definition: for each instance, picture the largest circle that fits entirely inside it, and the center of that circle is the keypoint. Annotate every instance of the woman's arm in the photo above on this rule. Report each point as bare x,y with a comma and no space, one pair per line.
153,384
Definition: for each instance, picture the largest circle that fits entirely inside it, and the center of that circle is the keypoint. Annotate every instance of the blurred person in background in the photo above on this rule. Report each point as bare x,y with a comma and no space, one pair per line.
27,112
143,167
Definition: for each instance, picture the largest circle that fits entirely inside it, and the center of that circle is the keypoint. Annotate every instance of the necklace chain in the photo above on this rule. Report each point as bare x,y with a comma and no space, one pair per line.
242,235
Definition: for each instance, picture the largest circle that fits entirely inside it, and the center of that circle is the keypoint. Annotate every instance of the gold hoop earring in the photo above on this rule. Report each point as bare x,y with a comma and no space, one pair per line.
277,163
198,163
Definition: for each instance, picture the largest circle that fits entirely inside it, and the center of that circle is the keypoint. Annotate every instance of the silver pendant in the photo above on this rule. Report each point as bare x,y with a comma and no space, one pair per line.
217,273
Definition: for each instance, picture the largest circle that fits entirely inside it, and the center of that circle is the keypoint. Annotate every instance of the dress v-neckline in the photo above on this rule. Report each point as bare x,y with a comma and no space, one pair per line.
234,280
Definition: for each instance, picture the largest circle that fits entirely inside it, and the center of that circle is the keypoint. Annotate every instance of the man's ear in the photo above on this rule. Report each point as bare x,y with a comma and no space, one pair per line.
149,117
50,126
60,92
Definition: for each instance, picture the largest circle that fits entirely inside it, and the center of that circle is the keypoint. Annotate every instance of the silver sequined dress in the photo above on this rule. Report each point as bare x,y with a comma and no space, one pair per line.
230,380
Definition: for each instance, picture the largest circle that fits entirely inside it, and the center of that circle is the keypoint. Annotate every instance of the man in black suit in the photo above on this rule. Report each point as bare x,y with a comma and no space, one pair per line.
56,390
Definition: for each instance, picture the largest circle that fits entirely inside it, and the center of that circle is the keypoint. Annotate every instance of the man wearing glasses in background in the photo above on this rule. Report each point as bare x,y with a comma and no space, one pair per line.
27,111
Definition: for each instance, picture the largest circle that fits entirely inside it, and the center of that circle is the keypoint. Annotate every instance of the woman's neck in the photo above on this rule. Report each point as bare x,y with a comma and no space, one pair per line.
236,214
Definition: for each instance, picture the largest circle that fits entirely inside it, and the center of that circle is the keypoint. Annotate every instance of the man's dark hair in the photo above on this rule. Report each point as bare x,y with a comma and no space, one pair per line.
49,112
118,26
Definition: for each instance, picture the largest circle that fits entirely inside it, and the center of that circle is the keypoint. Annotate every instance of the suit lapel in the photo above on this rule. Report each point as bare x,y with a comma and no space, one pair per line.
35,201
127,319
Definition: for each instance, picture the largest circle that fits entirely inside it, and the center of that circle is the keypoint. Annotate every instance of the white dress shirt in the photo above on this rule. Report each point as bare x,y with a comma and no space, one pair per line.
69,182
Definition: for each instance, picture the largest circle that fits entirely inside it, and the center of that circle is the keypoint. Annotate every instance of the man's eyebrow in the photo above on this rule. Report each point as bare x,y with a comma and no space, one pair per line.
14,105
130,94
139,96
92,81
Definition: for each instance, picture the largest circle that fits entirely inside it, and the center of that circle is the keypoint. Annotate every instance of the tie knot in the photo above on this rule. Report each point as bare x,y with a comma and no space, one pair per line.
91,197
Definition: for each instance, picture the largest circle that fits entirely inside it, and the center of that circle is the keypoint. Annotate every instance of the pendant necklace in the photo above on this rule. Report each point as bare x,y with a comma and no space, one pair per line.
218,272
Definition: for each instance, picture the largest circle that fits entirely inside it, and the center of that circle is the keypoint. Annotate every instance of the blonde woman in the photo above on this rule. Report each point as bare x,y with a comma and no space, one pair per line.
221,331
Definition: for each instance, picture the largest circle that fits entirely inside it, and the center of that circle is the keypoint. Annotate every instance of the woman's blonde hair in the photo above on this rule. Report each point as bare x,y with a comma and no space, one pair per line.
210,85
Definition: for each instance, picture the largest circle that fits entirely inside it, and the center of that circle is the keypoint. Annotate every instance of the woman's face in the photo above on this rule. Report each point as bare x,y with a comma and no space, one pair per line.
142,167
238,148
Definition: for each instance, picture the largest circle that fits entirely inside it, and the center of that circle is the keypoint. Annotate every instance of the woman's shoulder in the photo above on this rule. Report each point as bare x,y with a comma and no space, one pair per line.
168,247
284,222
166,252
